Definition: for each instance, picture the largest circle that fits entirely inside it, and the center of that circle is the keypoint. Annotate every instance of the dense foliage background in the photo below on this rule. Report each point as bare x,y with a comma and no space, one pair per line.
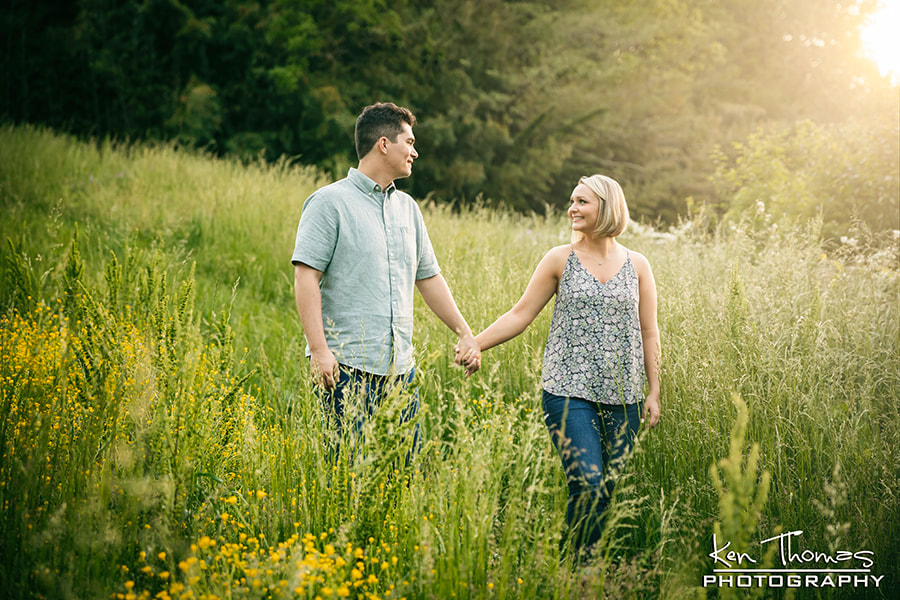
515,99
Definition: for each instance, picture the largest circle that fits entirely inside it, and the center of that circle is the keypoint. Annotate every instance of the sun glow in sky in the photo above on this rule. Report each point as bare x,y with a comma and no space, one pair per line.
881,39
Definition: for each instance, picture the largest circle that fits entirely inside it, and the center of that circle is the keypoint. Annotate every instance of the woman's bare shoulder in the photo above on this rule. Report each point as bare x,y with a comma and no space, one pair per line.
557,256
640,262
554,261
559,252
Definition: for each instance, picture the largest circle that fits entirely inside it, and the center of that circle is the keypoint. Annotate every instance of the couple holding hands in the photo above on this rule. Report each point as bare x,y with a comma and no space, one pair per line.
362,248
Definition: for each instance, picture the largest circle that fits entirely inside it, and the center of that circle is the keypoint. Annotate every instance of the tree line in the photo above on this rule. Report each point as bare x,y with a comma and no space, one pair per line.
515,99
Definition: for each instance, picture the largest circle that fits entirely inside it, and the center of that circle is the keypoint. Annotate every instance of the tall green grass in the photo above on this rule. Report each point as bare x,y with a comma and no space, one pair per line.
159,434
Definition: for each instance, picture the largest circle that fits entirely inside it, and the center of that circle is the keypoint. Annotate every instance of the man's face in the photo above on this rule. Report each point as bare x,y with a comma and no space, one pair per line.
402,152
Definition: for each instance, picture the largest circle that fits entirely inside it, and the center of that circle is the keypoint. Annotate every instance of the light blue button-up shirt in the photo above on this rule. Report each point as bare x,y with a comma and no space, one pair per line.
371,246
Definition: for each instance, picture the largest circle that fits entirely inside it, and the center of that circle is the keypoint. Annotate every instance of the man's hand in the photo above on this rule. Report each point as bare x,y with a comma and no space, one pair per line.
323,367
468,353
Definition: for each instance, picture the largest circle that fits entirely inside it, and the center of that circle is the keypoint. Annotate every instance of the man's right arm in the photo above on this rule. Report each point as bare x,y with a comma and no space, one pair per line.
322,363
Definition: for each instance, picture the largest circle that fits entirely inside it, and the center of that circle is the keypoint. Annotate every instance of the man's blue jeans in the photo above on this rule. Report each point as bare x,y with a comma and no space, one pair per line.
594,441
365,392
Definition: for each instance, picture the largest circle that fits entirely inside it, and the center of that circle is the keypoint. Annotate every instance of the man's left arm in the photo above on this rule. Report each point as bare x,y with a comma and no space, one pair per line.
437,296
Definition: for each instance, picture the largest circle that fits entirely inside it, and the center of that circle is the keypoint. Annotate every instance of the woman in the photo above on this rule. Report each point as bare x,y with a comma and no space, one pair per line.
603,342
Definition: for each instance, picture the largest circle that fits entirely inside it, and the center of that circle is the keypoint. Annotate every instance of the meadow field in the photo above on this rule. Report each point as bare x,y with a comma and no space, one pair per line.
159,436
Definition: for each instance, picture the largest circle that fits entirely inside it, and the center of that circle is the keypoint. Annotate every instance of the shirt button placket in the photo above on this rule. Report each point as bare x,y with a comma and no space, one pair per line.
385,212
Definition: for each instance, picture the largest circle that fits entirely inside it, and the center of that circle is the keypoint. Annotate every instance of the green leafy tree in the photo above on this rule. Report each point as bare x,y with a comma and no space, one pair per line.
843,175
516,99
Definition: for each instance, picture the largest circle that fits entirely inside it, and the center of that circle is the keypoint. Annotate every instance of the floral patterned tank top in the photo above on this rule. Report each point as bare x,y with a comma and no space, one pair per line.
594,350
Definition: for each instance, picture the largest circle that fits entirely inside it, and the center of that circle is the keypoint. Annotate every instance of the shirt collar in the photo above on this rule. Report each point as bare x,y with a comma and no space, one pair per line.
365,184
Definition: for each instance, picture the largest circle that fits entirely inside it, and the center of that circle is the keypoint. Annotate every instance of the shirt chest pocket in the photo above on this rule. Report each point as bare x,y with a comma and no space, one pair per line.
406,245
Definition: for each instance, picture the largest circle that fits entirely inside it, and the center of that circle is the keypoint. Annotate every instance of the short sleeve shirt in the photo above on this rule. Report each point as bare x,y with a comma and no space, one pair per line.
371,246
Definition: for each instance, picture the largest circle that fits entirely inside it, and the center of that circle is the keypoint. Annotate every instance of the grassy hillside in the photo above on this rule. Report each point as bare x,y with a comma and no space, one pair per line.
159,436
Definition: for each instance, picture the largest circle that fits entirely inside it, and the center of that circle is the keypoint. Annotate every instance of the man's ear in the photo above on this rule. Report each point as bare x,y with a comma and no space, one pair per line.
382,144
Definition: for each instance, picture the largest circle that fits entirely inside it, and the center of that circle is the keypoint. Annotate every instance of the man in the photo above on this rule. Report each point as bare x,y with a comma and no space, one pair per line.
361,248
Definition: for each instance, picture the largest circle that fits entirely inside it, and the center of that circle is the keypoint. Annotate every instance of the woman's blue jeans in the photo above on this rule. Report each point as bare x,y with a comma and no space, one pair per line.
366,392
594,441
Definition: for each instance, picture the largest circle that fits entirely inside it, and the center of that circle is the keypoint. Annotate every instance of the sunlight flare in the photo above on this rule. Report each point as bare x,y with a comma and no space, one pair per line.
881,42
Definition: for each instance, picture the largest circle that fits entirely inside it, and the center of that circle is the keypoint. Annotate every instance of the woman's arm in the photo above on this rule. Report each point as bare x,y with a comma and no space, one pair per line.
541,288
649,337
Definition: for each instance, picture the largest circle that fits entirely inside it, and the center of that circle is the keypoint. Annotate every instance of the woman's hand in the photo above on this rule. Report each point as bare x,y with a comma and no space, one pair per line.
651,409
468,354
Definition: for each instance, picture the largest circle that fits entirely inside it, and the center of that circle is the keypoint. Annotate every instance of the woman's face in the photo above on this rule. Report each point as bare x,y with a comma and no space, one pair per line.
584,209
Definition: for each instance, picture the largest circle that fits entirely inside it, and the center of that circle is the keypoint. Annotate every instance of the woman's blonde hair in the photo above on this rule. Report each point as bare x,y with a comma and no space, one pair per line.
613,216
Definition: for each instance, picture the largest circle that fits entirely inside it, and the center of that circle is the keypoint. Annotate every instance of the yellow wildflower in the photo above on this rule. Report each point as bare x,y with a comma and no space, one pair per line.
206,542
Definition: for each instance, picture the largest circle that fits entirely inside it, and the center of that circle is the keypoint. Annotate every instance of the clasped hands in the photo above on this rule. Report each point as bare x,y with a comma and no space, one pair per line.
468,354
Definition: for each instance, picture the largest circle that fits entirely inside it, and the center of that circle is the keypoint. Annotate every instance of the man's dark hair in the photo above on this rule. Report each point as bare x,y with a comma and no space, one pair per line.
382,119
